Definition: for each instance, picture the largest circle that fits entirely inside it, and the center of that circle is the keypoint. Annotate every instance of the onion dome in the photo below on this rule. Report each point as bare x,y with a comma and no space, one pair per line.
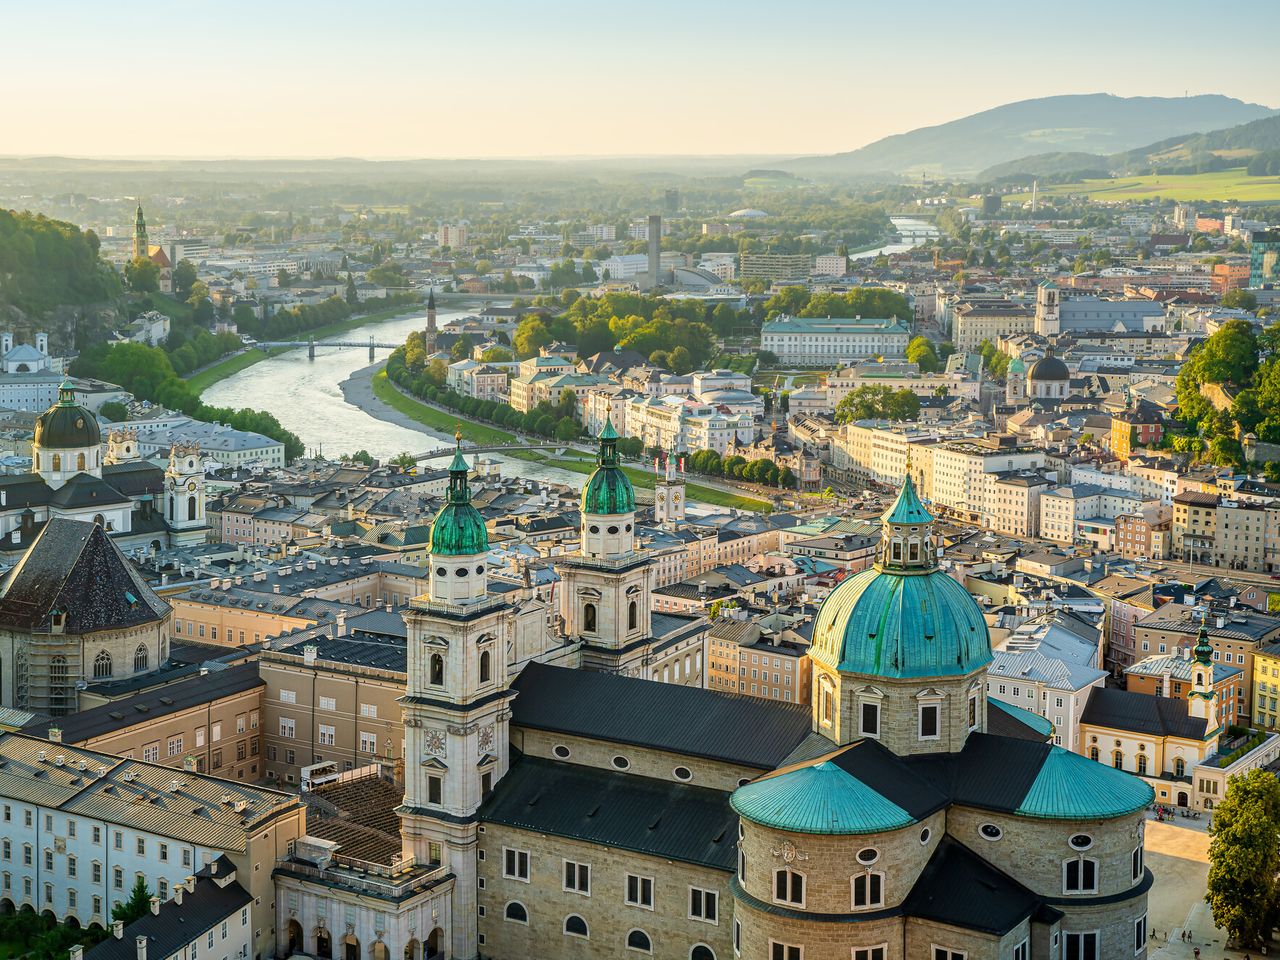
903,617
1017,365
608,491
67,425
458,529
1049,367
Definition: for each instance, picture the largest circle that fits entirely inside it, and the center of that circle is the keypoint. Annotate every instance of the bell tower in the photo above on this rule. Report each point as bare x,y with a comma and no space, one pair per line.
1202,700
184,494
605,588
456,709
668,493
1048,323
141,245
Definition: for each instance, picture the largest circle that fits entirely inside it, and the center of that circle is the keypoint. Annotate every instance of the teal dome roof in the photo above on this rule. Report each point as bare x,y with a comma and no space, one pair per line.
458,529
67,425
1071,787
902,617
818,799
608,490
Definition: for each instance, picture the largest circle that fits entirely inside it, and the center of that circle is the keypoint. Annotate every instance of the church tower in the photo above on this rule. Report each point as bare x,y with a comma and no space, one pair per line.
1015,387
605,587
668,494
122,445
1202,701
184,494
455,704
141,246
1047,304
430,337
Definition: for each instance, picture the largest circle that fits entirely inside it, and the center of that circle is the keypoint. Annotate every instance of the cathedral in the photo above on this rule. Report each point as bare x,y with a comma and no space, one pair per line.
140,506
590,812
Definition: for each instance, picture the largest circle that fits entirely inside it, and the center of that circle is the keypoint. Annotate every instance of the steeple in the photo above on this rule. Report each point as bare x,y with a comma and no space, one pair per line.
459,540
906,541
141,246
1202,701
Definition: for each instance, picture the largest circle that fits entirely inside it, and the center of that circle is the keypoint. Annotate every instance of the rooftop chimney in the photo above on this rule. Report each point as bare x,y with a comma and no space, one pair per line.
55,734
155,908
142,941
117,929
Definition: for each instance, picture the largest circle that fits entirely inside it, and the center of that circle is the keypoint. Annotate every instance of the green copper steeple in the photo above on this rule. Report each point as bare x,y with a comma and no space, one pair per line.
458,529
907,510
609,490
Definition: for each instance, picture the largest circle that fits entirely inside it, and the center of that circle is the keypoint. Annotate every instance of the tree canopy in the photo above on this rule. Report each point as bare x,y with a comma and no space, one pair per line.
877,403
1244,857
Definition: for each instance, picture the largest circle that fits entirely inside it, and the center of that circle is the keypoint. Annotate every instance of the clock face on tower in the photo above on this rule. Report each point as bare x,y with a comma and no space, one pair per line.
675,498
435,742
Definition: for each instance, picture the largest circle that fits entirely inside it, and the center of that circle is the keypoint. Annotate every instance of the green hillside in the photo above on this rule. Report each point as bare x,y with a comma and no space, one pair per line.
45,264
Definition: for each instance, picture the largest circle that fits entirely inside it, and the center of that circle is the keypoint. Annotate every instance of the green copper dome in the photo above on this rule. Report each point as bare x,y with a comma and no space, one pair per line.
1071,787
458,529
902,617
608,491
67,425
822,798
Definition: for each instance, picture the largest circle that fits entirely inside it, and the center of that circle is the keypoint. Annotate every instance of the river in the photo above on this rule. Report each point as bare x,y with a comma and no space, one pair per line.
305,395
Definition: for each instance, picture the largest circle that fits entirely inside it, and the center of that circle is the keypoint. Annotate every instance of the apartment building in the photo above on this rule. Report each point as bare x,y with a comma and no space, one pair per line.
210,723
742,659
1140,537
1195,524
990,320
901,375
876,451
1012,502
959,473
1085,513
826,341
774,266
1241,532
81,826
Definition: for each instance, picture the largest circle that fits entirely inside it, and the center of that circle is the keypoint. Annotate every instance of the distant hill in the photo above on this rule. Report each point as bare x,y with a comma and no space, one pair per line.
1099,124
1186,153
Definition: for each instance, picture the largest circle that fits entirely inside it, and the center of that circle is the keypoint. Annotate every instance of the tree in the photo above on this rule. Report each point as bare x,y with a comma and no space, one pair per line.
360,456
920,352
283,279
496,355
184,275
461,348
530,337
404,460
353,295
115,411
1244,858
787,478
1240,300
681,361
138,904
142,274
567,429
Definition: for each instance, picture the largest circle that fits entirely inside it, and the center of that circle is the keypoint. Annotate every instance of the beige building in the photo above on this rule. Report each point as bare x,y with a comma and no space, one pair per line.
1240,534
1195,525
977,321
742,660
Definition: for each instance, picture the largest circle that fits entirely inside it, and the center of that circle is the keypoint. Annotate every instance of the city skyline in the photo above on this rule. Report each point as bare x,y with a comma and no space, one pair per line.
407,82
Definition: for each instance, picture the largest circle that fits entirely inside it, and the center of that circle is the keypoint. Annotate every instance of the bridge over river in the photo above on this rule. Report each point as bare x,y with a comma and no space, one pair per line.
312,343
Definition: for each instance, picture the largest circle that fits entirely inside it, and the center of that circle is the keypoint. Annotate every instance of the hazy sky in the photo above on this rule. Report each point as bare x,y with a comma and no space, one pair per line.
381,78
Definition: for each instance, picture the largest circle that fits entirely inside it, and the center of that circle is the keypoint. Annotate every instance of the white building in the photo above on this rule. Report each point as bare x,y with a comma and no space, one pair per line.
827,341
831,265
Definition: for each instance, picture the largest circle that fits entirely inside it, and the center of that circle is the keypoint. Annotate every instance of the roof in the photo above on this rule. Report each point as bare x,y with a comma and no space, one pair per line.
960,889
1008,720
67,425
73,569
907,508
608,491
704,723
861,788
151,705
674,821
1142,713
177,924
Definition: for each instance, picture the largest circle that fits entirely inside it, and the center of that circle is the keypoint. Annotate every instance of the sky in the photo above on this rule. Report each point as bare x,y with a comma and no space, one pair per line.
487,78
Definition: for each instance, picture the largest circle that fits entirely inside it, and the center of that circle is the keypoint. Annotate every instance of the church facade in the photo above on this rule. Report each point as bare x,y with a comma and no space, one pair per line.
590,812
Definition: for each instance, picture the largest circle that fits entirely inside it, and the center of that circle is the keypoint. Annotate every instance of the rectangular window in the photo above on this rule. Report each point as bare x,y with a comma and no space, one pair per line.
117,878
1081,946
704,905
287,728
328,703
288,696
870,720
871,953
515,864
96,872
785,951
175,746
639,891
71,866
1136,863
368,742
945,953
577,877
1020,951
434,789
929,721
151,753
328,735
369,710
142,846
217,732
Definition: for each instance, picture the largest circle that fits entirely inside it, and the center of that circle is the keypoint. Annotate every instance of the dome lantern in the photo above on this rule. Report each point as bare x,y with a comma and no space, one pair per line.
458,529
608,491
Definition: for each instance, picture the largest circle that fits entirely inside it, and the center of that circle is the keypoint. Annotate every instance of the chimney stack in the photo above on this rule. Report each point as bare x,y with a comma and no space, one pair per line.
155,906
117,929
142,943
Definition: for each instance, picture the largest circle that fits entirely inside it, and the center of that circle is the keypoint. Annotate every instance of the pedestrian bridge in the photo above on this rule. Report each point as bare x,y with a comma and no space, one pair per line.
312,343
492,448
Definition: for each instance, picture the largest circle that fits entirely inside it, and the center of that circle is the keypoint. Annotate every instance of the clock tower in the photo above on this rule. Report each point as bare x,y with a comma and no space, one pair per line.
668,493
456,708
184,495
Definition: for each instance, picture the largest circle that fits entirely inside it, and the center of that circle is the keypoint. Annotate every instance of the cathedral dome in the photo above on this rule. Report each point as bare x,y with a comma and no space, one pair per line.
1049,367
903,617
67,425
458,529
608,491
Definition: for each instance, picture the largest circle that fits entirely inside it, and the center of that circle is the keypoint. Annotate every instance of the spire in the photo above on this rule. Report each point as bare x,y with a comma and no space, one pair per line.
1203,652
459,489
608,455
431,299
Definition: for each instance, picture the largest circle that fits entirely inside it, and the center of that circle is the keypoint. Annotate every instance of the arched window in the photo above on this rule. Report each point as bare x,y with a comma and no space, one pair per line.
788,887
57,462
79,461
1117,759
1179,767
575,926
141,658
639,940
701,951
516,912
868,890
1093,753
171,506
633,615
484,666
589,618
1142,764
1080,875
191,508
102,665
59,685
437,670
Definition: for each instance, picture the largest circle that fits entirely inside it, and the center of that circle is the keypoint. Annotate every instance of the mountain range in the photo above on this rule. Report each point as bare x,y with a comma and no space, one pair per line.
1092,125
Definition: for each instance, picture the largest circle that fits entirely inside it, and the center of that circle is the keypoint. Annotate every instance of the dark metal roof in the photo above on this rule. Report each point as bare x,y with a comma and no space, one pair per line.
1142,713
960,889
151,705
176,925
656,817
687,720
74,569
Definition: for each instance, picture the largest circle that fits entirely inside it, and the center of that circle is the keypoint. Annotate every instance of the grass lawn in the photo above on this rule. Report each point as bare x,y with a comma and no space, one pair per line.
441,420
170,307
207,377
1231,184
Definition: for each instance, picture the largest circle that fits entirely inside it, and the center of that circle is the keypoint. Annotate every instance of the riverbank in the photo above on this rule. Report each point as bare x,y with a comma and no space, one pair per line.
201,380
371,391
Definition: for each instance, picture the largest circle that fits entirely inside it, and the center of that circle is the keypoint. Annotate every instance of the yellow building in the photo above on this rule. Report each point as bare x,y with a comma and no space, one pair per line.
1266,686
